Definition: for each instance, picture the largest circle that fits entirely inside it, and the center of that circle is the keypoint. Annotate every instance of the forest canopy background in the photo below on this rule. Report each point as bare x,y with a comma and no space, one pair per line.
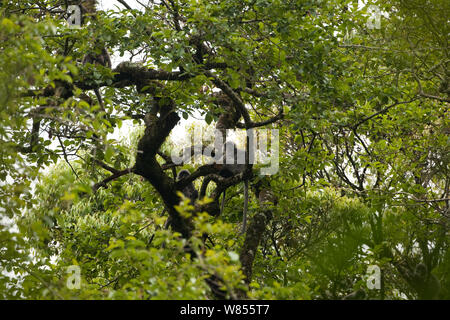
362,111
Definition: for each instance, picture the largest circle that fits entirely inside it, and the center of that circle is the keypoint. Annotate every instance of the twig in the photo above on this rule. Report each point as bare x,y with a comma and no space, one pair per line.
66,158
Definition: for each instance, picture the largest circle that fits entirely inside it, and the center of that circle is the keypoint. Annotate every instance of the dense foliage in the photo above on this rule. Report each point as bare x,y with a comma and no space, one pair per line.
363,178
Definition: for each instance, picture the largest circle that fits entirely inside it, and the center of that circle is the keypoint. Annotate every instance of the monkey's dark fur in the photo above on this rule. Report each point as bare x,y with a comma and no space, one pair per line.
102,58
421,280
231,169
425,283
189,191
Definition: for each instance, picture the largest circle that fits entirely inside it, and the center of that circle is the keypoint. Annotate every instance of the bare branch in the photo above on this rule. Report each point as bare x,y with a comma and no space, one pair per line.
381,112
106,167
252,124
66,158
125,4
111,178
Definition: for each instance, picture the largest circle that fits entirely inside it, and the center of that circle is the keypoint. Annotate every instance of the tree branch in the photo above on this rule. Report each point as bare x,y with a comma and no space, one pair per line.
111,178
233,96
354,127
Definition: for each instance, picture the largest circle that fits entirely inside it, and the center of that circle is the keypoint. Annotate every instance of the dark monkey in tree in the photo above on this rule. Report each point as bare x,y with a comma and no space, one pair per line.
102,58
425,283
234,164
98,57
189,191
421,280
99,54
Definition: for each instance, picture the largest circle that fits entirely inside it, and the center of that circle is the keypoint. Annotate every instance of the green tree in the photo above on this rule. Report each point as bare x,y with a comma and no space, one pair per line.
362,109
